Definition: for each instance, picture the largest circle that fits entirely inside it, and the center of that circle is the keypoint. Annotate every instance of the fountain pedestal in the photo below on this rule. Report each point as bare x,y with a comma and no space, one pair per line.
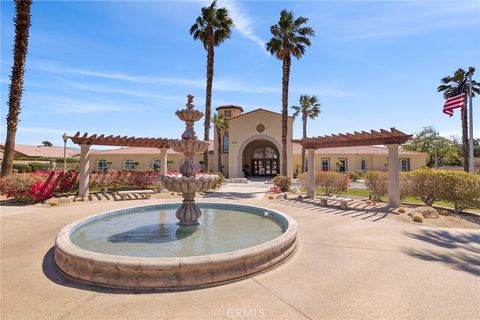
188,183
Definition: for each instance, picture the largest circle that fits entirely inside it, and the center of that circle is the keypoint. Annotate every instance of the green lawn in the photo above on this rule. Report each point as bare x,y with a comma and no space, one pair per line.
408,200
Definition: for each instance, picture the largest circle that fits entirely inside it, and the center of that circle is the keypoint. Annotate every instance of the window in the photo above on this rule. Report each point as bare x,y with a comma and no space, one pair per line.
264,152
325,165
227,113
404,164
156,164
342,165
129,165
102,165
363,165
306,165
225,143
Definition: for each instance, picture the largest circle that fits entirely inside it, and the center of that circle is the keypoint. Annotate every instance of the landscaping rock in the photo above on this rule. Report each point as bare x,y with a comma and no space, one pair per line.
426,212
282,195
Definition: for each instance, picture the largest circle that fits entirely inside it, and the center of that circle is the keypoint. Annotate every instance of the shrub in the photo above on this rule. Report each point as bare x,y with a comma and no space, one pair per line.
353,176
377,184
302,179
283,182
125,179
460,188
220,179
270,197
22,167
417,217
37,186
422,183
38,166
443,212
331,182
402,210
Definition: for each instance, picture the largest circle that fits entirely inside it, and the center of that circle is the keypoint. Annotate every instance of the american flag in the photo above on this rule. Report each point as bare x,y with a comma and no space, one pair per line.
455,100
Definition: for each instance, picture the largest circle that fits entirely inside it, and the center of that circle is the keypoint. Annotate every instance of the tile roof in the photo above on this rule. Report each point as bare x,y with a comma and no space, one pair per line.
297,149
26,150
364,150
137,150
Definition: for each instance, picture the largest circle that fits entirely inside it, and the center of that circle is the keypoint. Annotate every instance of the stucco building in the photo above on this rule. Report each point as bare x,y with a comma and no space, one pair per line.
251,146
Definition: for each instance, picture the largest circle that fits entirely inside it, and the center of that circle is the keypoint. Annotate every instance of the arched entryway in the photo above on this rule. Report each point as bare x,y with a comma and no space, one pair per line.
261,158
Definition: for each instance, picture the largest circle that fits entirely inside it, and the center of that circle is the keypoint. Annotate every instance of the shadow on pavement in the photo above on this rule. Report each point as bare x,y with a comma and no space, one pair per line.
458,250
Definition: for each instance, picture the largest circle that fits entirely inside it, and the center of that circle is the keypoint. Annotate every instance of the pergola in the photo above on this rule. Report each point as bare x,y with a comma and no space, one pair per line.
85,141
391,139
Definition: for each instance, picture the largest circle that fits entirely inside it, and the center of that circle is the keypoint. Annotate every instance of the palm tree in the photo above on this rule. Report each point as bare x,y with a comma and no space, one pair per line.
22,28
309,108
289,38
212,28
450,83
221,123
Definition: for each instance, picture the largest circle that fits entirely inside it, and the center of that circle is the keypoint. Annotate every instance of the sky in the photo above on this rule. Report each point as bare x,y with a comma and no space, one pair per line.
124,67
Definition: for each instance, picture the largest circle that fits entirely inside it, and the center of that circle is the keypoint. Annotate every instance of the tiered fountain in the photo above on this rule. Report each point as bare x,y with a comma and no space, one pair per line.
189,183
147,247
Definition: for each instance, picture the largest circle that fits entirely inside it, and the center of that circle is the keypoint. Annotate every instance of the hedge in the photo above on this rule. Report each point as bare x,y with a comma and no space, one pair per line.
459,188
37,186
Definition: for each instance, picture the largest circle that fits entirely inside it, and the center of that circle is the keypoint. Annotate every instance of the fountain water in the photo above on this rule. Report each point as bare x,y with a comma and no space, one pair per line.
189,183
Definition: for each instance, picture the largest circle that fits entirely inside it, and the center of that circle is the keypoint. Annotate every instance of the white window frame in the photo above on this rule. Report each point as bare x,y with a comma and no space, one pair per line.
102,161
346,164
365,168
159,164
322,162
129,161
407,164
225,148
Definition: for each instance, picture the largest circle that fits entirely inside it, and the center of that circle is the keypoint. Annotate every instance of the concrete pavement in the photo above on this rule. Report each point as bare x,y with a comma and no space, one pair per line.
349,265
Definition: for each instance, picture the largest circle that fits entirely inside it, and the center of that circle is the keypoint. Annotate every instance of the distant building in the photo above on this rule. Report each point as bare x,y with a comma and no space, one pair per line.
251,146
35,152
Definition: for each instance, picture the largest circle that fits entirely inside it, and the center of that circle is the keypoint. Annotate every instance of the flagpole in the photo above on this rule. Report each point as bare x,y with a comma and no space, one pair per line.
470,140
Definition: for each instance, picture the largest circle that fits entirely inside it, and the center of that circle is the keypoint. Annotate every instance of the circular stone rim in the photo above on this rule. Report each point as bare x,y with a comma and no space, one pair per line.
171,272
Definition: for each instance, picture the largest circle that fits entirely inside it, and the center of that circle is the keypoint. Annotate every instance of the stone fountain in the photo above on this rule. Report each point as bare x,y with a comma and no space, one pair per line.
188,183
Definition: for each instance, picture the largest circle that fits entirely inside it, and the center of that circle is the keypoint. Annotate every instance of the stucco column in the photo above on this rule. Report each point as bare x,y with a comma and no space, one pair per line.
163,161
393,175
311,172
84,166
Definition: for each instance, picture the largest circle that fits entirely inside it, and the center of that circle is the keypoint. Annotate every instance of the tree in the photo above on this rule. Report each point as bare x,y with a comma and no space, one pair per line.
212,28
22,28
47,143
450,83
289,38
424,141
309,108
220,123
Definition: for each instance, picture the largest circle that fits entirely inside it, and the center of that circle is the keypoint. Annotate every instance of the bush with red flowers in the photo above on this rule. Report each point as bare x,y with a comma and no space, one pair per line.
37,186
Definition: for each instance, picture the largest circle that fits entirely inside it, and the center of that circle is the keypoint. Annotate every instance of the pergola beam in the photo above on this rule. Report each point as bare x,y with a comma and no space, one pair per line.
122,141
392,139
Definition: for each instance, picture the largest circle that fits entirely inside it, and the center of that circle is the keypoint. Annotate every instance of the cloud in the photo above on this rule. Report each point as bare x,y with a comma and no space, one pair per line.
220,84
23,129
242,20
396,19
60,105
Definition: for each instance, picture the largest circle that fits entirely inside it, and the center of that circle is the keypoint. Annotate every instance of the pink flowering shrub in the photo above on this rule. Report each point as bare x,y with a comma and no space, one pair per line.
275,189
37,186
125,179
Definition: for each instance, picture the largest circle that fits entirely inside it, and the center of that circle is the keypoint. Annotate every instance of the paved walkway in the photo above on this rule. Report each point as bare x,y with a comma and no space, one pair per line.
241,191
348,265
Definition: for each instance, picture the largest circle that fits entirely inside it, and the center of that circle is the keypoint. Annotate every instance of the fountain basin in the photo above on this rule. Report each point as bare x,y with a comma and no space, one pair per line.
183,271
188,185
